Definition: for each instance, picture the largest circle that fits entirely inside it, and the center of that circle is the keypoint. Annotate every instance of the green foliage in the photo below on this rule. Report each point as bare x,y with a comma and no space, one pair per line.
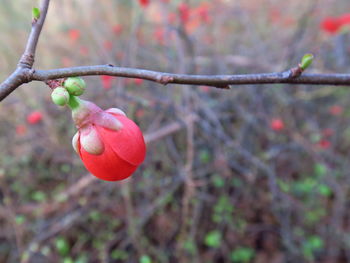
38,196
236,182
82,259
324,190
95,215
62,246
314,215
320,170
284,186
213,239
304,186
68,260
242,255
223,210
190,246
20,219
204,156
218,181
118,254
145,259
312,245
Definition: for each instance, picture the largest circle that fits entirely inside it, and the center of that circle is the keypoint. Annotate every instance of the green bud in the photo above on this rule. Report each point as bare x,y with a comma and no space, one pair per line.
36,13
306,61
75,86
60,96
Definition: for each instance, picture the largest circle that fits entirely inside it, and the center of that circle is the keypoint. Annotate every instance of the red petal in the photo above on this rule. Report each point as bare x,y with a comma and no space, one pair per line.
107,166
128,142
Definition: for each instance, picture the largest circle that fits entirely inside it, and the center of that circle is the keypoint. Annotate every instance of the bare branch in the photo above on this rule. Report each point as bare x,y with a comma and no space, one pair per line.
11,83
218,81
27,59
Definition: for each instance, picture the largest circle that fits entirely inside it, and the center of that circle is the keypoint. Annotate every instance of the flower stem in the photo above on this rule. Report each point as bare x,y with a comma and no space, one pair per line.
74,102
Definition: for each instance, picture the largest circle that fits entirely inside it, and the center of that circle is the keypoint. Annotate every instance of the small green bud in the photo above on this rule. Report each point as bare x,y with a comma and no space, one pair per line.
60,96
306,61
36,13
75,86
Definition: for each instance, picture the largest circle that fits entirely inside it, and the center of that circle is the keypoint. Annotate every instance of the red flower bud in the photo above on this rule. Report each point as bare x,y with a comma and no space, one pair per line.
110,145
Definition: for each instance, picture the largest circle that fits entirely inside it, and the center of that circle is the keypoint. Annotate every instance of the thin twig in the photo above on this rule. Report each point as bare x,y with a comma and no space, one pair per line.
27,59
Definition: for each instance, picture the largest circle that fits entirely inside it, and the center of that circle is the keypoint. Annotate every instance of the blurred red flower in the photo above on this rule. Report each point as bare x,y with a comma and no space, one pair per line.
34,117
21,129
203,12
84,51
108,45
117,29
277,125
106,81
336,110
332,25
205,89
327,132
184,11
344,19
74,34
159,35
138,82
172,18
144,3
324,144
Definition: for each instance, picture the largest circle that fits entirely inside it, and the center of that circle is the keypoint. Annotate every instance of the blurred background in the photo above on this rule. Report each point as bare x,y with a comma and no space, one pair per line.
252,174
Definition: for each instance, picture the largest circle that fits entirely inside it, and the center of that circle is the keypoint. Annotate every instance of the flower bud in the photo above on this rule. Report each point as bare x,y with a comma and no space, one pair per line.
75,86
60,96
110,145
306,61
